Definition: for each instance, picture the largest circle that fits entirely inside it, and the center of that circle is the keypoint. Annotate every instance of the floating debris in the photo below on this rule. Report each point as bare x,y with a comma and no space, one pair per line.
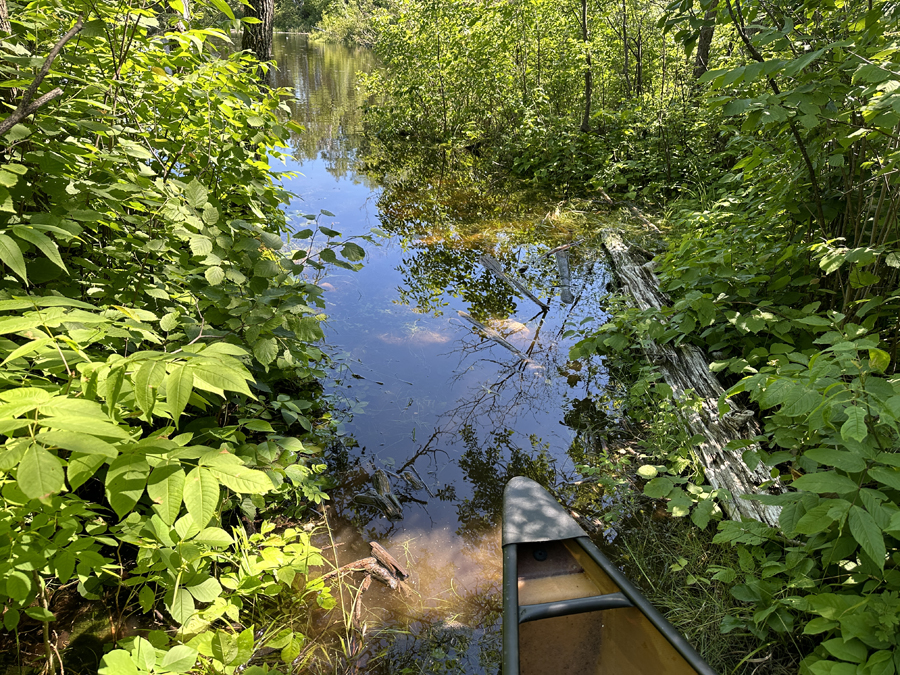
413,480
381,483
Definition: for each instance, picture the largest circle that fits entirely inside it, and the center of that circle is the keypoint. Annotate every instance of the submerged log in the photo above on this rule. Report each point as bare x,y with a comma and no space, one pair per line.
494,266
685,367
491,334
565,277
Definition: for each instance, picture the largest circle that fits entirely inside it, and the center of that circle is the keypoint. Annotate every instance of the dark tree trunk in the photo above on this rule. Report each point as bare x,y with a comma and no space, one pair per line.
701,61
588,70
5,26
258,36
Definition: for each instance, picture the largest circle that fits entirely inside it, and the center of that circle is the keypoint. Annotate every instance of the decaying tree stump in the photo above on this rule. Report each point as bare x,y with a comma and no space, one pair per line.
685,367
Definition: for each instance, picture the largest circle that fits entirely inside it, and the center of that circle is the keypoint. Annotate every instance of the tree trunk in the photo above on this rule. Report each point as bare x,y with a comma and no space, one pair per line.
5,26
588,70
701,61
625,49
258,36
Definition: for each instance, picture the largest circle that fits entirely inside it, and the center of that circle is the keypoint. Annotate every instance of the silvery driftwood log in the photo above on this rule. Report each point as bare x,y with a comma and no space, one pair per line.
565,277
495,267
685,367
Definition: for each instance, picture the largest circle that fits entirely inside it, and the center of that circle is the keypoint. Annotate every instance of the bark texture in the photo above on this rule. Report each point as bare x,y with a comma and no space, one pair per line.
257,37
685,367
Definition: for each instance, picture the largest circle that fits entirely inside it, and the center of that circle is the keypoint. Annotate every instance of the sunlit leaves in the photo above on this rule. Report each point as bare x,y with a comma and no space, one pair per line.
40,473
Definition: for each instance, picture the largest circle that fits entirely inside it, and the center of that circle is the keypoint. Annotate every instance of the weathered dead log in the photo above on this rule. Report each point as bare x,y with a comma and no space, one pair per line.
636,212
686,368
565,277
388,560
494,266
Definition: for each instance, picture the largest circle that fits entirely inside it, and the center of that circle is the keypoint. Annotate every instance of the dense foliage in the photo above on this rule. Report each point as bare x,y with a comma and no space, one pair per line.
159,359
772,128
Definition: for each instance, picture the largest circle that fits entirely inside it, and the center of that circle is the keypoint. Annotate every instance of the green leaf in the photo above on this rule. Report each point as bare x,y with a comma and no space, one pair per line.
659,487
867,534
889,477
11,255
647,471
143,653
221,378
125,481
180,604
146,599
265,350
214,275
82,468
242,479
78,442
879,360
118,662
40,473
843,459
825,481
40,614
146,383
166,488
224,647
201,495
181,658
63,565
855,426
213,536
18,586
81,424
43,243
702,513
196,194
179,385
207,590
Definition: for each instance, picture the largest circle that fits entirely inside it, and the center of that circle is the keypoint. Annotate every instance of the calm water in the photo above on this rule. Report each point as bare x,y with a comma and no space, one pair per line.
418,385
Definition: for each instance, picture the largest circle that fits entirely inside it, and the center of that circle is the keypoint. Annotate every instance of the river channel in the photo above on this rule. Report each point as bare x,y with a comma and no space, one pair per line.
419,385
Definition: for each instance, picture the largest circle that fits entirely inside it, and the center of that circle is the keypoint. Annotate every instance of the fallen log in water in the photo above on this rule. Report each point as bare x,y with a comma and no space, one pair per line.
494,266
685,367
491,334
565,277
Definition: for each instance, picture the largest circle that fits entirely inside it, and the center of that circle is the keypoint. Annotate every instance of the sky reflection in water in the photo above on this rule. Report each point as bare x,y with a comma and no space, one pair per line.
421,388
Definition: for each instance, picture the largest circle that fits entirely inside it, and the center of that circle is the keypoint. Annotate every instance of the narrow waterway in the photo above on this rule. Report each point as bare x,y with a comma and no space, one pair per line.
425,390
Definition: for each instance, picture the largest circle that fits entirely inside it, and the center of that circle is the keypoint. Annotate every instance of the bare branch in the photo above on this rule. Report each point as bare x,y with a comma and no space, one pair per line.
26,107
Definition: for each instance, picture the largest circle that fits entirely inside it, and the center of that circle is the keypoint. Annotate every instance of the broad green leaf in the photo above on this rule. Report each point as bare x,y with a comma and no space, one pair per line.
125,481
825,481
82,468
43,243
118,662
80,424
179,385
146,383
214,275
18,585
40,473
201,495
224,647
647,471
213,536
659,487
867,534
146,599
143,653
18,324
265,350
27,348
886,476
63,565
879,360
207,590
222,378
166,488
842,458
78,442
181,658
40,614
180,604
11,256
242,479
855,426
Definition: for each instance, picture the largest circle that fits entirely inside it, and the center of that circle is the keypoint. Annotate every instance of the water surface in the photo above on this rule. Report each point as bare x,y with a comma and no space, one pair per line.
420,386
